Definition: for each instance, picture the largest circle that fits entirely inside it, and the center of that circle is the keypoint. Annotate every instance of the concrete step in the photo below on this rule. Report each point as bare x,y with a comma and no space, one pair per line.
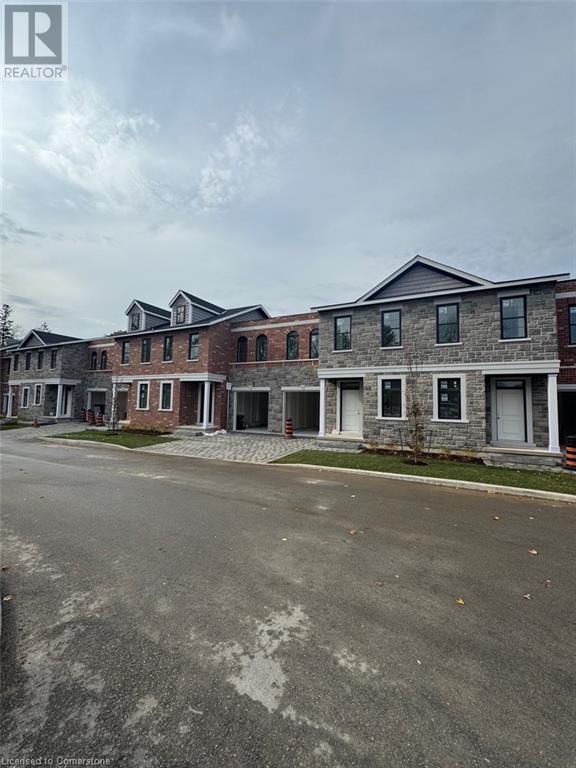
339,444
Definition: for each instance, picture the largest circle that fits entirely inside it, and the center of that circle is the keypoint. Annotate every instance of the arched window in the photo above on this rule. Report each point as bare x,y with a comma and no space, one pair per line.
103,360
241,349
93,361
262,347
292,346
313,348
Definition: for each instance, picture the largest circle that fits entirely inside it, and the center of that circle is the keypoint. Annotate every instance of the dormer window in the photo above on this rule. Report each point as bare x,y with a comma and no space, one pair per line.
180,314
135,321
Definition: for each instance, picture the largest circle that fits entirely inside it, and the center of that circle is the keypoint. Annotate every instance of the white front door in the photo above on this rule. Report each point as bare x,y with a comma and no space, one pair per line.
510,411
351,411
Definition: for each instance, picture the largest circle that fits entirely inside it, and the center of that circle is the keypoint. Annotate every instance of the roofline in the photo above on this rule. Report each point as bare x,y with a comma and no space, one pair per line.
63,343
147,311
190,326
32,332
454,292
429,263
202,306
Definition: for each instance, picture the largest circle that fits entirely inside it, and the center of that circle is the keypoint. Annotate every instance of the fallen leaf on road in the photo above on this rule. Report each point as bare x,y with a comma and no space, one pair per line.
352,531
418,661
460,600
547,582
4,567
353,496
284,539
528,596
495,517
530,518
8,597
379,583
532,551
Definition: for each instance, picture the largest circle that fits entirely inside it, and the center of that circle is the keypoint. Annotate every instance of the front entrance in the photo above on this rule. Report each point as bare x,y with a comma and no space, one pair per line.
350,408
511,410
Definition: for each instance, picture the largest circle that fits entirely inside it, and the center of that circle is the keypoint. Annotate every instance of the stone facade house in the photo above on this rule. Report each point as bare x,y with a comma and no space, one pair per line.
480,359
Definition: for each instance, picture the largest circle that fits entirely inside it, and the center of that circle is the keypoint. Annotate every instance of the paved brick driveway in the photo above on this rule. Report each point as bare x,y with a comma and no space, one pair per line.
255,449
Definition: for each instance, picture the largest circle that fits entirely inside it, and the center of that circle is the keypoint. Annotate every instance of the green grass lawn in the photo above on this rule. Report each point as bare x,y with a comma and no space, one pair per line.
13,426
479,473
126,439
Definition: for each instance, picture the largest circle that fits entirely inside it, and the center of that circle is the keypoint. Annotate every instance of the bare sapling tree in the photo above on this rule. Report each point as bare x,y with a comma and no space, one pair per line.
414,410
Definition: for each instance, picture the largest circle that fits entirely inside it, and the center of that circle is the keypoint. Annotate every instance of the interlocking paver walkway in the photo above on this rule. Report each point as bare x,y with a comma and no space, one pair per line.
254,449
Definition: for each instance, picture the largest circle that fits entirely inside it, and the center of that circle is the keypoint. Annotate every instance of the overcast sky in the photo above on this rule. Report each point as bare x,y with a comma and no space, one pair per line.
289,154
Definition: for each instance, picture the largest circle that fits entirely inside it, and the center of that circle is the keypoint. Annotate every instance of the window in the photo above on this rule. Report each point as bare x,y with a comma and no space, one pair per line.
16,361
241,349
180,314
343,333
262,348
292,346
391,399
193,346
24,402
447,323
167,349
313,347
103,360
40,360
135,321
93,360
166,396
145,350
449,399
37,394
28,361
392,328
53,358
125,352
143,392
572,323
513,318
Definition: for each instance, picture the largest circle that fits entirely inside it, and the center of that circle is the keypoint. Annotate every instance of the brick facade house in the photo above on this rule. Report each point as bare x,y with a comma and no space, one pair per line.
490,364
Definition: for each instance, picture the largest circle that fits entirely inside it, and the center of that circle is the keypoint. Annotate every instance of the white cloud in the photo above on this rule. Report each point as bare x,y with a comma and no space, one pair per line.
228,33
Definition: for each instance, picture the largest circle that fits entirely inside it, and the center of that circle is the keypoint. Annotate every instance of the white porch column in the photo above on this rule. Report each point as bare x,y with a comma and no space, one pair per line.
206,404
10,411
553,431
59,401
322,420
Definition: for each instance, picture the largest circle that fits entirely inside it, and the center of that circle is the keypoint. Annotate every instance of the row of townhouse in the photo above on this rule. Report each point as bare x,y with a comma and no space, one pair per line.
492,364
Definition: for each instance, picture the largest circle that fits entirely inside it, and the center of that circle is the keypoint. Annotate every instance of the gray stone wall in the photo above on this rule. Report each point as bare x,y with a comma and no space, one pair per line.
540,410
275,377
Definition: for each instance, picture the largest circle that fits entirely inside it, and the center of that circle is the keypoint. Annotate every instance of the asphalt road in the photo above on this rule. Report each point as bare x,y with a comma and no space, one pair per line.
179,612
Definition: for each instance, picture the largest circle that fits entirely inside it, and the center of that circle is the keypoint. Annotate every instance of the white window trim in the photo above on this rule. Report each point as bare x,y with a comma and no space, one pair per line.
448,344
162,383
138,408
463,406
38,387
25,389
401,378
511,341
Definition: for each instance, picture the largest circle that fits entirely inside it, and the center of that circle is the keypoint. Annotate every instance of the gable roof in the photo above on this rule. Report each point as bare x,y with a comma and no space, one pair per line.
214,308
47,338
150,309
225,314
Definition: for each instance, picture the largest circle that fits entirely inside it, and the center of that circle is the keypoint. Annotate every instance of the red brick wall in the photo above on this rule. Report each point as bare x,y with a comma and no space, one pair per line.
276,338
566,352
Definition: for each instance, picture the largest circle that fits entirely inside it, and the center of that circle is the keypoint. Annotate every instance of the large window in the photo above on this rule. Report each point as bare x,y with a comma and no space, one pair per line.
28,361
392,328
125,352
343,332
241,349
180,314
450,399
292,346
391,399
135,321
166,396
314,348
145,354
262,348
53,358
447,323
93,360
37,394
25,401
16,361
143,394
103,360
193,346
513,317
572,322
167,349
40,360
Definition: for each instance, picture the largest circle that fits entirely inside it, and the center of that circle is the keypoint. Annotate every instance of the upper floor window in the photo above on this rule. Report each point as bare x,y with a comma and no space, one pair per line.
391,398
103,360
28,361
16,361
572,323
125,352
25,397
40,360
292,346
53,358
167,349
450,399
143,395
262,348
180,314
145,351
313,348
343,332
93,360
447,323
392,328
513,317
241,349
135,321
193,346
38,394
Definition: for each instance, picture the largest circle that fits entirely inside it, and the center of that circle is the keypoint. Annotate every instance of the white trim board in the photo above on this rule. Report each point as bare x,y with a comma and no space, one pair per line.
271,326
27,382
527,367
185,377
